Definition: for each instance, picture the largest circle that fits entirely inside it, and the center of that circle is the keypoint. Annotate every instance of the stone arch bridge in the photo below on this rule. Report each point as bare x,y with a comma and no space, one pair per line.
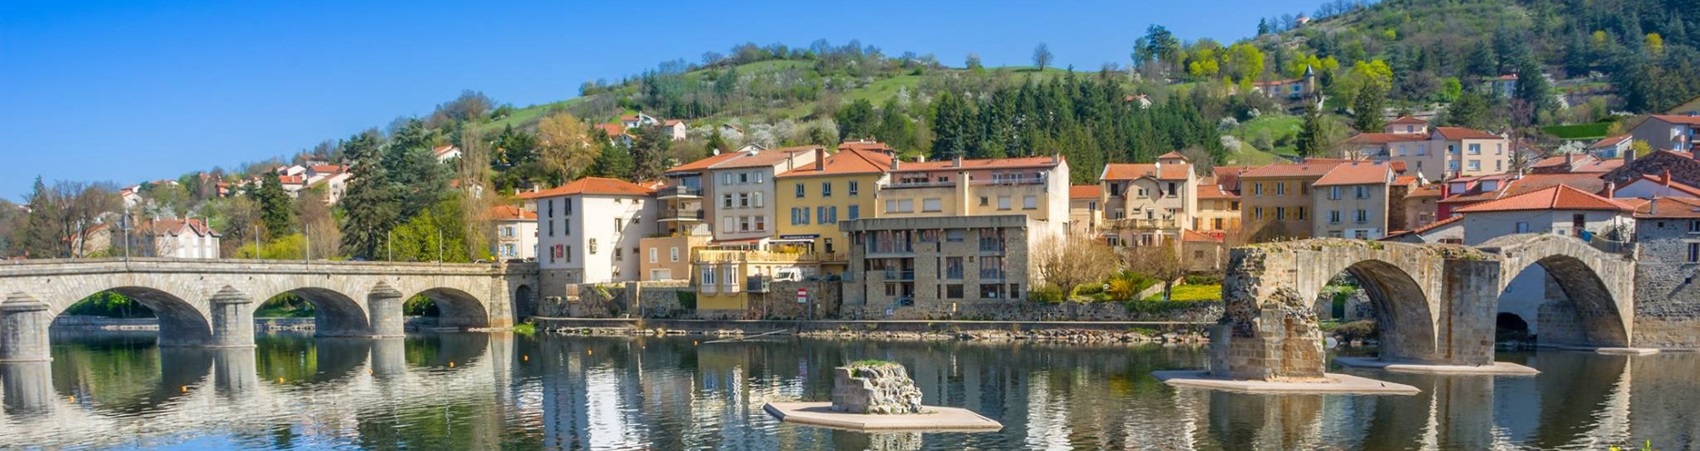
1435,304
211,303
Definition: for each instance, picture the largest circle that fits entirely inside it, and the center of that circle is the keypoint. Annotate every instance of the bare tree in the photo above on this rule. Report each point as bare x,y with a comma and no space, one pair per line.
239,223
476,198
1042,56
1072,261
1161,262
80,205
567,145
324,238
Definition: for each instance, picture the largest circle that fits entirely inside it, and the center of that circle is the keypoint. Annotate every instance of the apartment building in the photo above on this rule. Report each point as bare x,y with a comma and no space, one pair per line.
1084,213
590,230
814,198
738,190
1036,187
515,231
1352,201
1148,204
938,262
1435,153
1275,200
668,257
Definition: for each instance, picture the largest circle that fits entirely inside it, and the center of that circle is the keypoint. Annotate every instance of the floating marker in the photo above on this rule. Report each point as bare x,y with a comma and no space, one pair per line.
185,389
451,364
525,358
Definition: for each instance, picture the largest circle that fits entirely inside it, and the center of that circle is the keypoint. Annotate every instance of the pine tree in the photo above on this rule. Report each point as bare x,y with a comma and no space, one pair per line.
613,162
38,237
276,213
1309,140
716,143
371,208
414,173
1366,108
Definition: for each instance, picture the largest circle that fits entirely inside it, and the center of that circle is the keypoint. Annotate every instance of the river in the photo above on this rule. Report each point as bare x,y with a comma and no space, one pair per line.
474,391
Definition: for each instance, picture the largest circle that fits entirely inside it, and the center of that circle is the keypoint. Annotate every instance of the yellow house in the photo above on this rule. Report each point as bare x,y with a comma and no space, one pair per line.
726,278
811,200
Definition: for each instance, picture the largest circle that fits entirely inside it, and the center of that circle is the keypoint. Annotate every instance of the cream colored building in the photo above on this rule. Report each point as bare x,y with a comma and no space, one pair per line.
1351,201
1033,186
668,257
1147,204
1435,153
515,233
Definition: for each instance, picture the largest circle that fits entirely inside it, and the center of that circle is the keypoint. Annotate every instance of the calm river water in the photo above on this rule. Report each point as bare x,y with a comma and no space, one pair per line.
470,391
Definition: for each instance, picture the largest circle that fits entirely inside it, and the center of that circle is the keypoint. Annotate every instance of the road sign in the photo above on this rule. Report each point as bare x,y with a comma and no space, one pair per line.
802,295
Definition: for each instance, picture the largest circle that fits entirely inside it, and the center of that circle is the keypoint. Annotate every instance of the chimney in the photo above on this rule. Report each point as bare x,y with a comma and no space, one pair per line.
1629,156
1667,178
1445,190
1569,159
956,162
820,159
1056,158
895,162
1611,190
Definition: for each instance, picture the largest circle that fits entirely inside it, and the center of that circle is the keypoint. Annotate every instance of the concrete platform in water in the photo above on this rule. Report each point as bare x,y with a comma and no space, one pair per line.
1496,369
1337,384
932,419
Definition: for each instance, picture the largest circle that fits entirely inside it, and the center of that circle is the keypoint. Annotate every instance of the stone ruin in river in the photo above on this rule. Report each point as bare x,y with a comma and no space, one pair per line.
881,388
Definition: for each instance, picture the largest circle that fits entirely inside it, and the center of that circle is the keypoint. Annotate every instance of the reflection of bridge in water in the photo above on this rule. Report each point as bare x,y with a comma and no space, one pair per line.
221,390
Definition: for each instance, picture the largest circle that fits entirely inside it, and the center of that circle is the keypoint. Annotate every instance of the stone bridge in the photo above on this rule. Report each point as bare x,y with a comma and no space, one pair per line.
1435,304
211,303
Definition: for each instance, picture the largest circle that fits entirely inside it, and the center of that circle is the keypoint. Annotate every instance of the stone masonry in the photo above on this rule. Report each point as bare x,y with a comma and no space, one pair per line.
211,303
1667,308
881,388
1435,304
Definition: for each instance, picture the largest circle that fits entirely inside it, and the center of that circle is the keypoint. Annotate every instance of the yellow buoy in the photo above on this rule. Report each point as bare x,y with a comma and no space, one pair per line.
280,380
451,364
185,389
525,358
590,351
73,399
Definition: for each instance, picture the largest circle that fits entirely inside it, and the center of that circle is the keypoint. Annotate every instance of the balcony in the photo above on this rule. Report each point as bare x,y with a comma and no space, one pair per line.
679,192
1011,181
928,184
894,274
1139,223
694,214
739,256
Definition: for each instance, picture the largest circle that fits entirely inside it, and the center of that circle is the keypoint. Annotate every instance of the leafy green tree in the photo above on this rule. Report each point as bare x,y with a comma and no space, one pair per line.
856,120
1471,110
435,234
1312,136
896,129
613,162
414,173
715,143
1366,109
649,153
370,205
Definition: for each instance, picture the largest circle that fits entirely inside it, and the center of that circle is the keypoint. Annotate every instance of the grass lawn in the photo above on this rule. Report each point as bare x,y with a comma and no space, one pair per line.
878,91
1191,293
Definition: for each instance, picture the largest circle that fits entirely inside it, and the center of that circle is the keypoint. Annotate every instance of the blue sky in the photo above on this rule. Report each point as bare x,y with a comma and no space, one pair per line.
137,90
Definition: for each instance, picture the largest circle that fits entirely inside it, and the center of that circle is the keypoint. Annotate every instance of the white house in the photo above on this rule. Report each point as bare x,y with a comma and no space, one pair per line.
588,231
1561,210
1648,186
445,153
515,232
638,120
675,128
177,238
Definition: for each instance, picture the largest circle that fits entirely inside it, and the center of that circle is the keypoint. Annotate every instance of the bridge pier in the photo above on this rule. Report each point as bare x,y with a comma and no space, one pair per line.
1468,327
232,319
389,357
23,331
28,387
383,306
235,372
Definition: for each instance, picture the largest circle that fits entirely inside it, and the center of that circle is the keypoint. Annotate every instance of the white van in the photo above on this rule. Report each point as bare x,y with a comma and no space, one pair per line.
788,275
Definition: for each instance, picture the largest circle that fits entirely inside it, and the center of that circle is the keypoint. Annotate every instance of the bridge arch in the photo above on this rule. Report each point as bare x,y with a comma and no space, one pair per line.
1403,314
457,308
524,302
1597,287
181,322
335,314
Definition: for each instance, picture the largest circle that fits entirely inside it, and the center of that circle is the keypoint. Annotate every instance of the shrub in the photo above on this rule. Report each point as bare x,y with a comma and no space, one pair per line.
1357,330
1047,293
1204,279
687,299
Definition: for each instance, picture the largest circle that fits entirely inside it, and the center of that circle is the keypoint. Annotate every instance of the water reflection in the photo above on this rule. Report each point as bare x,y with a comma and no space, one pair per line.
476,391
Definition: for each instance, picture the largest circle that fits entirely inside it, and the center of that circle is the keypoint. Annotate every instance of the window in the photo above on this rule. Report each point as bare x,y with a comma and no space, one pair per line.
1003,202
1334,217
743,223
1363,216
1422,149
991,240
618,255
1092,205
726,200
820,215
1172,192
592,246
953,268
955,235
1333,193
728,224
743,200
931,205
567,228
551,204
1499,166
568,204
799,191
953,291
1402,150
1475,149
799,215
1522,227
984,201
929,236
674,253
1029,202
826,189
854,187
1141,193
991,268
1694,226
1301,213
726,179
900,206
568,253
1281,189
1280,213
619,224
755,198
1257,212
855,212
991,291
1452,165
1257,189
551,227
1115,190
1475,165
743,177
1694,252
761,223
1363,192
508,231
760,177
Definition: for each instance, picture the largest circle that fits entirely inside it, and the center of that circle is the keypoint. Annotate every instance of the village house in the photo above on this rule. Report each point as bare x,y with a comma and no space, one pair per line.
814,198
669,257
1083,214
1275,200
1218,207
638,120
1667,132
676,129
1560,209
1353,201
515,230
1033,186
1149,204
1611,147
589,230
739,190
444,153
940,263
1435,153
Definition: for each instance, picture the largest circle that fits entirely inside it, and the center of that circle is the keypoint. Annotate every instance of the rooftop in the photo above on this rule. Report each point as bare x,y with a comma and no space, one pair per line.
1357,173
1310,168
1560,197
1464,133
511,213
1669,207
846,162
1083,192
593,186
1044,162
1130,171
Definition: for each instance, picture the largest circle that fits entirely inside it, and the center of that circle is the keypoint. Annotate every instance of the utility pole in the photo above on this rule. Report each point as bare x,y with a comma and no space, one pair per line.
439,246
389,252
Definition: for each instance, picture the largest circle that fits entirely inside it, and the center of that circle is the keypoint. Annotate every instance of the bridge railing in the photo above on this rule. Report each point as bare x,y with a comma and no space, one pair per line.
1611,246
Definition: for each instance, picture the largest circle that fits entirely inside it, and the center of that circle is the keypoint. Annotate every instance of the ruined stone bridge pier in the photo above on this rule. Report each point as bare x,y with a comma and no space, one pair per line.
211,303
1434,304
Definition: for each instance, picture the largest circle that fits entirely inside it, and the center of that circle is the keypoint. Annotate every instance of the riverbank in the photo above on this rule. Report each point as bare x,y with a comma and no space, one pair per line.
1130,332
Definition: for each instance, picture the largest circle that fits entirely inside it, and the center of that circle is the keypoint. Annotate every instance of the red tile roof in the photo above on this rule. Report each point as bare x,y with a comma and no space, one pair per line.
1310,168
1000,163
1430,190
1452,133
865,145
1669,207
761,158
1599,167
1357,173
175,227
291,180
1130,171
1173,155
672,122
703,164
1408,120
1214,191
1559,197
612,130
1608,142
1660,180
844,163
511,213
1535,182
1405,180
440,150
1678,119
1083,192
593,186
1197,237
1384,138
1425,229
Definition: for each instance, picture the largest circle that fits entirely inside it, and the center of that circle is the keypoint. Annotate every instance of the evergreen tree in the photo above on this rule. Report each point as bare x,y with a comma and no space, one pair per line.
649,153
716,142
275,212
613,162
38,239
856,120
1311,135
370,205
418,179
1366,108
950,127
896,130
1471,110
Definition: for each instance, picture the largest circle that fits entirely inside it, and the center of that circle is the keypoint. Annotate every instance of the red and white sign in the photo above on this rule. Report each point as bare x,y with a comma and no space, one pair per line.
802,295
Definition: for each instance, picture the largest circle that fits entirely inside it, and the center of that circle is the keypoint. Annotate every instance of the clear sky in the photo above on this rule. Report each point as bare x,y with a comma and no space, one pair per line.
138,90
